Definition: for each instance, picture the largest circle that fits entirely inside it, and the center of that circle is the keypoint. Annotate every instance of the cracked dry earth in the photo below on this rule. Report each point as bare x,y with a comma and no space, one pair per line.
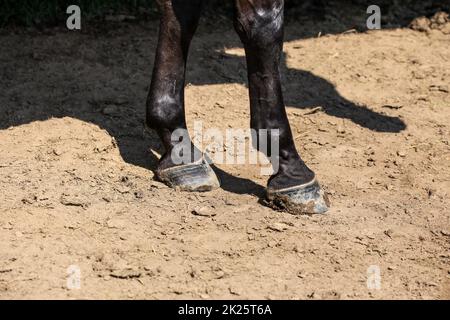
370,114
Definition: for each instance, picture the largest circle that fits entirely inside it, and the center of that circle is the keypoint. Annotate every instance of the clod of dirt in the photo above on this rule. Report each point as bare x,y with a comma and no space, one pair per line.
331,295
30,199
234,291
139,194
71,200
5,270
300,275
154,185
220,274
446,28
340,129
445,233
115,223
440,21
389,233
178,290
57,152
441,88
8,226
388,106
401,153
203,212
277,226
126,274
422,24
123,189
391,268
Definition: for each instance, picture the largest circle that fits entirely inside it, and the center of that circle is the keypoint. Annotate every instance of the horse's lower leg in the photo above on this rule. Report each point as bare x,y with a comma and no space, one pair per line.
165,103
259,24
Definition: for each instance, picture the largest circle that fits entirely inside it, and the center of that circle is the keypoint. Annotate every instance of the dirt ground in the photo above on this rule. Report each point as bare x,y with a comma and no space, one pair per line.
370,114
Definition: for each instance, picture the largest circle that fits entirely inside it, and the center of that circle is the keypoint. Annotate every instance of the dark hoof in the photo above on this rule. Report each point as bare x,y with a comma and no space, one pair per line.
308,198
197,176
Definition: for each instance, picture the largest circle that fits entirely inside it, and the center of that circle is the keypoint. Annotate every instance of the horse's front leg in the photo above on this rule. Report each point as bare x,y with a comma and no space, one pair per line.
182,166
259,24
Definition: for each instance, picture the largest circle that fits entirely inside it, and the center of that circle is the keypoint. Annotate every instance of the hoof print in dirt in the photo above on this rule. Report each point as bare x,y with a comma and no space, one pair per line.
197,176
305,199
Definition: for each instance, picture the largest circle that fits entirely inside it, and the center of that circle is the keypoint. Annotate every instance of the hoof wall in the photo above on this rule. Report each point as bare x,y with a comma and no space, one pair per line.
198,176
308,198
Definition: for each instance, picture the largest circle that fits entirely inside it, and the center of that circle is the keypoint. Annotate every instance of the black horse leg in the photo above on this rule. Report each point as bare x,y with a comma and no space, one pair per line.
259,24
165,103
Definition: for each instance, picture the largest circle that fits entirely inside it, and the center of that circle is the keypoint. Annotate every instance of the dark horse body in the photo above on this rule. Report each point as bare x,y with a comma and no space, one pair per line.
259,24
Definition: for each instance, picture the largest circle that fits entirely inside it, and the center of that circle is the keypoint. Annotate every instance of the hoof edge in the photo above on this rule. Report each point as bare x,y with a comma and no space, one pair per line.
198,177
308,198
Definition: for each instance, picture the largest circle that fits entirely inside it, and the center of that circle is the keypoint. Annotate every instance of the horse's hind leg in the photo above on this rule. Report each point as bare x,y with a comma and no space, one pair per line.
259,24
184,167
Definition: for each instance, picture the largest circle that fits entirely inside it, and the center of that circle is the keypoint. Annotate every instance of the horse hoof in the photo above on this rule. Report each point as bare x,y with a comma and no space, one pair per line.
308,198
197,176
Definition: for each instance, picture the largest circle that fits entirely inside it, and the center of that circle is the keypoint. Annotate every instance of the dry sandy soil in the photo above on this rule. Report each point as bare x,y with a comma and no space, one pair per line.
370,113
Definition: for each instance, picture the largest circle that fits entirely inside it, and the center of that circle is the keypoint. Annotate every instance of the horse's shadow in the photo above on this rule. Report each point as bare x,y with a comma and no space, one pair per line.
307,91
